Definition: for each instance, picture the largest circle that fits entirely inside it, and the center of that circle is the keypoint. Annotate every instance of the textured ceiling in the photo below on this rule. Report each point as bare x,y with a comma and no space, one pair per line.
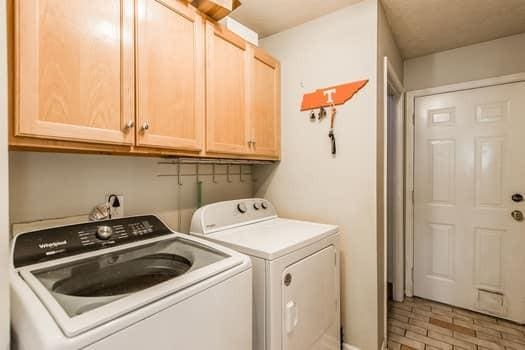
268,17
422,27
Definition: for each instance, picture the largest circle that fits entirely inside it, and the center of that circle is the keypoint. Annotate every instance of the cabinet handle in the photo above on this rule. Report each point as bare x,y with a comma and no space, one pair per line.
145,126
250,143
130,124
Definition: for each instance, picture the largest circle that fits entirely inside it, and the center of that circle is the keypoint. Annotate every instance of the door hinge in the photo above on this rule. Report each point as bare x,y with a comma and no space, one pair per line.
414,118
413,197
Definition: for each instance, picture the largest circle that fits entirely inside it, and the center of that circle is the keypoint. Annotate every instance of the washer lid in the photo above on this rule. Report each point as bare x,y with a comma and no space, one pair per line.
272,238
88,290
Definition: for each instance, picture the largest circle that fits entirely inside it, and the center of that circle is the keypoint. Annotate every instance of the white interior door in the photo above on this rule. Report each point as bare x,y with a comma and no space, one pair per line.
310,303
469,161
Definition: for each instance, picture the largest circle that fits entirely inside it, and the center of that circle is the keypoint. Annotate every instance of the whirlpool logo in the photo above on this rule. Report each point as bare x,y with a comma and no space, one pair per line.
52,244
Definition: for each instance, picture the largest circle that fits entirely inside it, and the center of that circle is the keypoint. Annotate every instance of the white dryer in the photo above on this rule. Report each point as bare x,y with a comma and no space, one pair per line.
128,283
295,272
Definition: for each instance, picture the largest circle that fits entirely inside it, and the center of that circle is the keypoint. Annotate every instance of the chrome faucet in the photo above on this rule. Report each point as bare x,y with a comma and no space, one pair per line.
100,212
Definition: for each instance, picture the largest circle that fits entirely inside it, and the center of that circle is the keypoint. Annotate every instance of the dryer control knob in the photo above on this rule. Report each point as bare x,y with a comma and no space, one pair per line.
241,207
104,232
264,205
256,206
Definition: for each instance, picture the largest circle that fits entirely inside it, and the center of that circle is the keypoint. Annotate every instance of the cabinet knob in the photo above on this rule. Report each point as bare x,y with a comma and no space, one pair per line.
145,126
130,124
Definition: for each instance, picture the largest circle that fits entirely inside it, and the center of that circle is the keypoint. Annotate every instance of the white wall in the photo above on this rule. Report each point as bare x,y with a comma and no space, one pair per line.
4,214
480,61
53,185
309,183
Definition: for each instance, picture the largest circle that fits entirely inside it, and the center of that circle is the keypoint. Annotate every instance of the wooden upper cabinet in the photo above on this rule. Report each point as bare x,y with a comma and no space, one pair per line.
74,70
265,116
227,73
95,75
170,75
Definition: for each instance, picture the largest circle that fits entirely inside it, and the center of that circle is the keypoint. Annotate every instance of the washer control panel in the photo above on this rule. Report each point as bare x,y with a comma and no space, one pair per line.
58,242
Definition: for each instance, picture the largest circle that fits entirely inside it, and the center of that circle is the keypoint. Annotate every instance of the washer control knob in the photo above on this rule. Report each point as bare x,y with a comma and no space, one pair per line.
241,207
256,206
104,232
264,205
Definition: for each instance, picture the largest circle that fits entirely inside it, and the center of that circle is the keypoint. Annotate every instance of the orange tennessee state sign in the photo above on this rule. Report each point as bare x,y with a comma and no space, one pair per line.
335,95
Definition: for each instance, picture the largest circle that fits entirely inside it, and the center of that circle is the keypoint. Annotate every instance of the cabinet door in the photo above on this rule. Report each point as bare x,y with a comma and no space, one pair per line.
74,70
170,75
227,63
265,116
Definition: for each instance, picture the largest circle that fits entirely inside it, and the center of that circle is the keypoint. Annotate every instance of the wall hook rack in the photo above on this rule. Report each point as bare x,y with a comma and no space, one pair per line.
230,172
330,97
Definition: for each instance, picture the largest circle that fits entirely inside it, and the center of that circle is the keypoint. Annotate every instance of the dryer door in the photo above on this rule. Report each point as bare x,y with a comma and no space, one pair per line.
310,303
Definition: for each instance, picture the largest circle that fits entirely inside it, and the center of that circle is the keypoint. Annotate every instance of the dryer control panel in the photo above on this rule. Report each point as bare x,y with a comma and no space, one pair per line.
58,242
214,217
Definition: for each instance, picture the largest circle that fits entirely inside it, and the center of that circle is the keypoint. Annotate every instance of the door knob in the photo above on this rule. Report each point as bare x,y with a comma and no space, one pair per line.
517,215
517,197
130,124
145,126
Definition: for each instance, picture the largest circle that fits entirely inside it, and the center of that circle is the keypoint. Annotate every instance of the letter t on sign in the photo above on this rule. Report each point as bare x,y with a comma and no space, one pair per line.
329,95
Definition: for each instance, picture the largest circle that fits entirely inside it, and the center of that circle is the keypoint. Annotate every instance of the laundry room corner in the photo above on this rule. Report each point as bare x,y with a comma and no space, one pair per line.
310,183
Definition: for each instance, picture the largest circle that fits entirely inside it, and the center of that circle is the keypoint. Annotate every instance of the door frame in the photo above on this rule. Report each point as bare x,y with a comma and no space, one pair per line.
396,86
391,81
409,157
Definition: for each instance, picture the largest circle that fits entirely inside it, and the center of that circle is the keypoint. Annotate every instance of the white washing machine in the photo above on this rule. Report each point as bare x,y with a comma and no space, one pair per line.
295,272
128,283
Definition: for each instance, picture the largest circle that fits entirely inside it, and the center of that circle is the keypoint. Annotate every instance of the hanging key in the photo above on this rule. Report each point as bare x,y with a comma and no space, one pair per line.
322,114
331,133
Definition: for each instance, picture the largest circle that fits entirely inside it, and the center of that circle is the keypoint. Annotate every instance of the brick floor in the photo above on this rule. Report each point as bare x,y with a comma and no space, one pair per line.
426,325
